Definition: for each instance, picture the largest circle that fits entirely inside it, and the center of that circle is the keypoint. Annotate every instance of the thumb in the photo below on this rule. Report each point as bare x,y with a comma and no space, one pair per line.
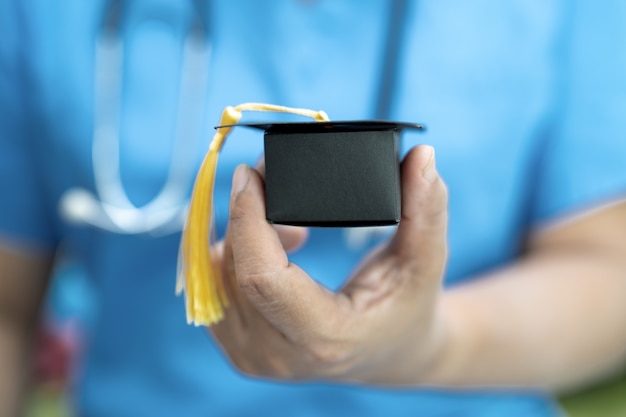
420,241
279,290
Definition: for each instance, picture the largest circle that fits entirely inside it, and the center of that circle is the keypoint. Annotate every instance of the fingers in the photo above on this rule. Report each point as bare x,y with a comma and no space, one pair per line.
420,241
291,237
260,167
281,292
289,324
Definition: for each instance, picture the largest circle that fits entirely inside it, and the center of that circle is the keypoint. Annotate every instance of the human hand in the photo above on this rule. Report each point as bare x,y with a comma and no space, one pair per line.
383,327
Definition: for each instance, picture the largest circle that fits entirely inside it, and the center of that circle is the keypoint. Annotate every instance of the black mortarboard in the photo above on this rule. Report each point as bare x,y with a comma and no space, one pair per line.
336,173
323,173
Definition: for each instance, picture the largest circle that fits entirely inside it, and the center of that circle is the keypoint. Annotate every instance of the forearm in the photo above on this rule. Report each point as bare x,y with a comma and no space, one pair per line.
15,348
23,280
553,320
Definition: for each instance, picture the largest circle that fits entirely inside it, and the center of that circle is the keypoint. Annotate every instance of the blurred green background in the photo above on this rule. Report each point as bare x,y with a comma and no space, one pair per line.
605,400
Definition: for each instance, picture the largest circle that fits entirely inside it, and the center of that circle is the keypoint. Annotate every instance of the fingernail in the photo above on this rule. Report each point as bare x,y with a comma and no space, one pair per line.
240,179
429,173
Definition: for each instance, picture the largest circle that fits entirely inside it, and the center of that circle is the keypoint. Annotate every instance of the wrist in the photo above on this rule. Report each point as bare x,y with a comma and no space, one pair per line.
445,367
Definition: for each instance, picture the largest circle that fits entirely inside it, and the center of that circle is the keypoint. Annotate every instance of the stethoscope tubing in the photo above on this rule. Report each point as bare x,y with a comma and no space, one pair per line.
109,207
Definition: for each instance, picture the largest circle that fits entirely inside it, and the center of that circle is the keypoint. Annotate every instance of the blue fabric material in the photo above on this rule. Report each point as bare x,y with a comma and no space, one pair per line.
523,101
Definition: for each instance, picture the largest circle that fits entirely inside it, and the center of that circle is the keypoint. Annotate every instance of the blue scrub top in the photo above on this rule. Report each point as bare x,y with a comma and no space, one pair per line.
524,102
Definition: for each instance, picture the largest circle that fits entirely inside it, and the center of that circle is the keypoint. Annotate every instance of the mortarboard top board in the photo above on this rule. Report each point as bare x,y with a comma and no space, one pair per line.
332,173
334,125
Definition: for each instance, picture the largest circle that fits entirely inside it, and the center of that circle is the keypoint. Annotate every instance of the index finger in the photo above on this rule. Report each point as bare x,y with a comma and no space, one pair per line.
279,290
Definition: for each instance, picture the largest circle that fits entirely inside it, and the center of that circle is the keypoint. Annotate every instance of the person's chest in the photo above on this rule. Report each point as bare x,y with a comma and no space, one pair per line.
482,82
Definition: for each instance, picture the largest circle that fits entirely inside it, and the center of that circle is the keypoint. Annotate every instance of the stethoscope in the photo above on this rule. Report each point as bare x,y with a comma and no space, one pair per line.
108,207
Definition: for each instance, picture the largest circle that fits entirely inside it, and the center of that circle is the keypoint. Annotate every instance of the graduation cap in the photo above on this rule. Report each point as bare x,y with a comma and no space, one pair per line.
332,174
323,173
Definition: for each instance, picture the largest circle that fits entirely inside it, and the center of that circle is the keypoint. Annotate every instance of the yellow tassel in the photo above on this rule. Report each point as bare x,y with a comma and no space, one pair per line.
198,275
